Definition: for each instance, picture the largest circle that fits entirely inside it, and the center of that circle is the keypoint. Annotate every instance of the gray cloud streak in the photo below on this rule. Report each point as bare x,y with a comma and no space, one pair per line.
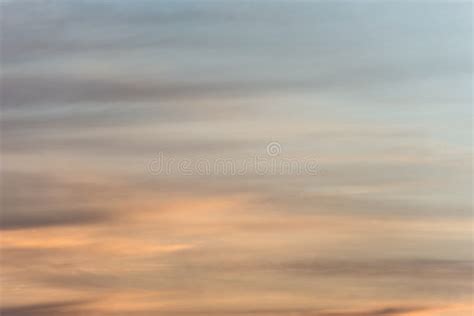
33,201
46,309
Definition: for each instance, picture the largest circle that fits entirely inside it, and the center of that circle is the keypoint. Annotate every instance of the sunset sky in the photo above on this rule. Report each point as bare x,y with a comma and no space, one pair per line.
369,103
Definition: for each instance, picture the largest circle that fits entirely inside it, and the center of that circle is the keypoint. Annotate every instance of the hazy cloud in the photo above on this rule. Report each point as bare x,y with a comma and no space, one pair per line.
377,94
52,309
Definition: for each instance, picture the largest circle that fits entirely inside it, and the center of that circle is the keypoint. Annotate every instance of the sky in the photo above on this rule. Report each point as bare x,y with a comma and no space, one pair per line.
236,158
